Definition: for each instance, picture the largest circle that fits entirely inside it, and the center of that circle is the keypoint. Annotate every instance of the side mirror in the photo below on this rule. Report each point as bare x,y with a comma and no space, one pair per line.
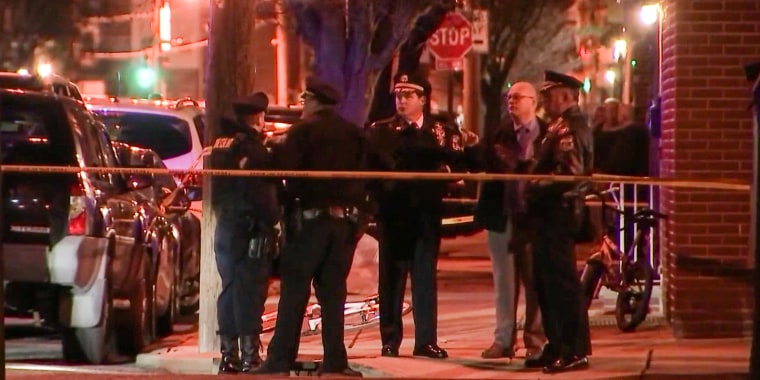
139,181
194,193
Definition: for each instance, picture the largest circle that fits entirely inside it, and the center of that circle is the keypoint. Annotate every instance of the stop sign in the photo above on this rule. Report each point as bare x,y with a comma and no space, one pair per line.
453,39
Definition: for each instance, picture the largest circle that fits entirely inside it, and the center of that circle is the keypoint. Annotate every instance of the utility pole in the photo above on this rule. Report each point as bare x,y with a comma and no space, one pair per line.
283,67
231,74
156,45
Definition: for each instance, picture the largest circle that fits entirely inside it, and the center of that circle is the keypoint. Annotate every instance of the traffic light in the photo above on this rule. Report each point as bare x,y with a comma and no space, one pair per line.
633,63
146,77
586,85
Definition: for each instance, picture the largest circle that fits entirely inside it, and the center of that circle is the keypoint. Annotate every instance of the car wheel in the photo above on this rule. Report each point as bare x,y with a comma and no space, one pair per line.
93,345
138,325
165,321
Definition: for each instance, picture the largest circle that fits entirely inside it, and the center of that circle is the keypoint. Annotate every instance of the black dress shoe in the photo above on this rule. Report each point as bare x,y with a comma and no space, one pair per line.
389,351
267,370
431,351
573,363
542,359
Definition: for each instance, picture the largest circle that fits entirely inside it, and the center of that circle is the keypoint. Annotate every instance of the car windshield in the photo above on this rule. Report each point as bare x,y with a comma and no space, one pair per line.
34,132
166,135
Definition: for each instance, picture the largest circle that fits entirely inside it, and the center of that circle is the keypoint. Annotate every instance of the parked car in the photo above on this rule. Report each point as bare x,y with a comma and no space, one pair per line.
459,202
174,133
84,249
179,228
52,83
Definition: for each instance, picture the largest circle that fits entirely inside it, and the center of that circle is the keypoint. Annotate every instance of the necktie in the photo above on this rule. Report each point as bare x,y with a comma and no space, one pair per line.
526,153
523,138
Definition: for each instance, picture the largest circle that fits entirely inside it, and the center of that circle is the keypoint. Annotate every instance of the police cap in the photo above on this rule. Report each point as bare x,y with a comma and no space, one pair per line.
554,79
251,104
415,82
324,92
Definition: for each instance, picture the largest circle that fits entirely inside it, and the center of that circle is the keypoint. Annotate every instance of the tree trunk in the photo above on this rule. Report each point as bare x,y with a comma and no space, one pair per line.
230,75
491,91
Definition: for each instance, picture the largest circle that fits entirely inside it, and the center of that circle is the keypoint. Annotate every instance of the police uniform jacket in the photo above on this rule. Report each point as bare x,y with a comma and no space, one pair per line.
324,141
241,147
566,149
429,148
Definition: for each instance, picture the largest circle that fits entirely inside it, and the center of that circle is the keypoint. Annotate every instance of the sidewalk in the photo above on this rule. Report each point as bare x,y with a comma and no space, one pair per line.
465,329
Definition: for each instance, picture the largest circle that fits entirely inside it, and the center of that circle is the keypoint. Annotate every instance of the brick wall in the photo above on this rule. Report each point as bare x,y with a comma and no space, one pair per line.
707,133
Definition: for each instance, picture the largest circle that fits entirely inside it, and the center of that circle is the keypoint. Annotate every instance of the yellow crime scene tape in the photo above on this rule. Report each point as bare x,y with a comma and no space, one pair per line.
716,184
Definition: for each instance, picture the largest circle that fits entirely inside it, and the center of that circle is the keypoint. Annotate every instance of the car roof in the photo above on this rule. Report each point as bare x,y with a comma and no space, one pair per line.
142,107
40,95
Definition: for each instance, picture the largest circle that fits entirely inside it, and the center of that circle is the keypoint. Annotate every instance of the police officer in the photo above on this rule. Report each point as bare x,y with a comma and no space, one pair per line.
322,228
246,212
409,214
555,206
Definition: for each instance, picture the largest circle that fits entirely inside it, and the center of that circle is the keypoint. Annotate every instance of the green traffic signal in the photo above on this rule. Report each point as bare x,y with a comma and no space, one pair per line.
586,85
633,63
146,77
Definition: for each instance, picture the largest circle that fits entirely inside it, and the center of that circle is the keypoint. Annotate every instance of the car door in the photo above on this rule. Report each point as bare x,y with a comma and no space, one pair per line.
117,207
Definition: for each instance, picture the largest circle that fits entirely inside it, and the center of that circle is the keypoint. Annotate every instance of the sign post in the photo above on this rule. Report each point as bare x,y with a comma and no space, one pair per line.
449,44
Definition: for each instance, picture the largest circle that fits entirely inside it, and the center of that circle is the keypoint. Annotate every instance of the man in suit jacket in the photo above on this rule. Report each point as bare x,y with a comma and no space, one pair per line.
501,210
409,214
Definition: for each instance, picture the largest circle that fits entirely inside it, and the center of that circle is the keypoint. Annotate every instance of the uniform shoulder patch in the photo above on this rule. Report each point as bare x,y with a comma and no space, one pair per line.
223,143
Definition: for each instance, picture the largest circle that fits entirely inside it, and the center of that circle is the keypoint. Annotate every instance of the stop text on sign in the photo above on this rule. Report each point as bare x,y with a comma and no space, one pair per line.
452,37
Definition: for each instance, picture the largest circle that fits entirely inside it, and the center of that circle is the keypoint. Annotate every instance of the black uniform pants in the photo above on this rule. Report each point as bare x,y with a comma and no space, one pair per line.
321,252
409,247
244,279
557,282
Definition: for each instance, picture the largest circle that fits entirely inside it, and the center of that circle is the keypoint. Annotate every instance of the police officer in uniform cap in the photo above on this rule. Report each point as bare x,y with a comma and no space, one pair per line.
246,212
409,214
322,229
555,208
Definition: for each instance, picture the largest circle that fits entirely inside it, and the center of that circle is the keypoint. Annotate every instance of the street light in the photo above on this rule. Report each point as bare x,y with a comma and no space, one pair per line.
619,49
650,13
44,69
610,76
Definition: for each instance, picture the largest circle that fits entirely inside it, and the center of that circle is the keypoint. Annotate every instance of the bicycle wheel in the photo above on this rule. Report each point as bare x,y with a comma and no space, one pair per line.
590,278
632,303
369,315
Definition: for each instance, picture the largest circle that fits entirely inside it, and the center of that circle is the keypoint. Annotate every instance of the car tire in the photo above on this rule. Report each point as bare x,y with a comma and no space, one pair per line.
137,325
93,345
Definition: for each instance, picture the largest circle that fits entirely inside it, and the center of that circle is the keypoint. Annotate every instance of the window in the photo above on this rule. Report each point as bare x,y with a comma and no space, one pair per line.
168,136
35,131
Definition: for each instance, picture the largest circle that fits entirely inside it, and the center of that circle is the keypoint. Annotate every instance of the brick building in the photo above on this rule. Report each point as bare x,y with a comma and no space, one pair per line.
707,133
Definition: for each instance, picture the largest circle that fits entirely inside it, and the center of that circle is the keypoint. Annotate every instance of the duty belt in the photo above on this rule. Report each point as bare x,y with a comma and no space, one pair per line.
333,212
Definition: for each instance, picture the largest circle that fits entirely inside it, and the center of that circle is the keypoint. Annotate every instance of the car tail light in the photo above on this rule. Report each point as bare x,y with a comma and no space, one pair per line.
77,208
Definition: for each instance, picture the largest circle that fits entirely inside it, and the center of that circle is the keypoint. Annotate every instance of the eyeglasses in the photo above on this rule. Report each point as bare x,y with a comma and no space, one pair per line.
517,97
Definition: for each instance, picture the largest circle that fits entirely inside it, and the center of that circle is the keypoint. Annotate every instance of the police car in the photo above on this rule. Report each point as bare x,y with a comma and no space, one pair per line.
172,129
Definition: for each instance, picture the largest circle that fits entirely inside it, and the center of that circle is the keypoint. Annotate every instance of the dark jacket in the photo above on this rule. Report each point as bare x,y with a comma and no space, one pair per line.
324,142
430,148
567,149
240,147
497,199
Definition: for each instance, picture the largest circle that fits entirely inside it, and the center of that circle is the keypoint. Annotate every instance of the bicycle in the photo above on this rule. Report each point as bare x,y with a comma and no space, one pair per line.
628,273
358,316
